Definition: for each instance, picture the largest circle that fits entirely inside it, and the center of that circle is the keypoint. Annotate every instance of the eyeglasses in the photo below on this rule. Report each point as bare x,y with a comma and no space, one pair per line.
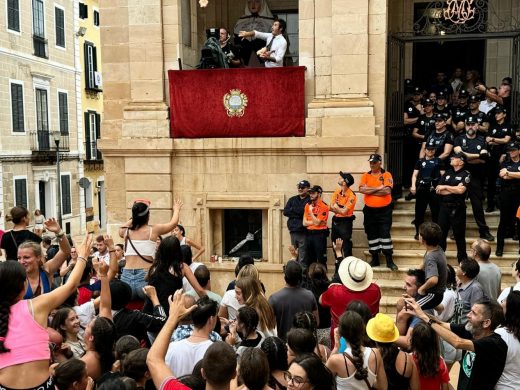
296,380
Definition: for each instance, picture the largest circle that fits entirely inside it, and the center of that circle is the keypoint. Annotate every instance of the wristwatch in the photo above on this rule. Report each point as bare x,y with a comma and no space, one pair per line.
431,321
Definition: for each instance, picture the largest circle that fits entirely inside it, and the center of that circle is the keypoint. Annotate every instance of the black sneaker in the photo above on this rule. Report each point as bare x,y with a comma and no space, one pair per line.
499,252
410,196
374,262
487,236
390,264
490,209
416,237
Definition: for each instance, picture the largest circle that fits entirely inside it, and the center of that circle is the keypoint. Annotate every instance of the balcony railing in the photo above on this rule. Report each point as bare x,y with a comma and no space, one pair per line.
92,153
42,141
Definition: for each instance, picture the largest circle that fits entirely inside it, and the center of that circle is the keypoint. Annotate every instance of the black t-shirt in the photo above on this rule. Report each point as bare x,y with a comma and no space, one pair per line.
480,370
471,146
459,113
12,239
429,172
480,116
425,124
137,324
446,111
499,131
511,166
412,112
454,178
439,140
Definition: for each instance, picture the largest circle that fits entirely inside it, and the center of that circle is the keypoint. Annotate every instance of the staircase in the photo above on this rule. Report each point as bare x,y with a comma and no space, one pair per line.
408,253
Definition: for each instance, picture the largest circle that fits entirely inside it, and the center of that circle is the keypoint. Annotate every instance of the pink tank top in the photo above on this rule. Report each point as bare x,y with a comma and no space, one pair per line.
27,340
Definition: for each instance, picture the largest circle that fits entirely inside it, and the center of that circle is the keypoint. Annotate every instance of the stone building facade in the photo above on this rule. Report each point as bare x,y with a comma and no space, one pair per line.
39,95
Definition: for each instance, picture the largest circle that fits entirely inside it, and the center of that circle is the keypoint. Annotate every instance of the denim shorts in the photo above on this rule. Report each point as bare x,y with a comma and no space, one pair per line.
135,278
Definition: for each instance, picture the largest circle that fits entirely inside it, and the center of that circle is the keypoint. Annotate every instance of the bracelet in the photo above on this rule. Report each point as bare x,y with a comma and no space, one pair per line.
60,234
431,321
82,259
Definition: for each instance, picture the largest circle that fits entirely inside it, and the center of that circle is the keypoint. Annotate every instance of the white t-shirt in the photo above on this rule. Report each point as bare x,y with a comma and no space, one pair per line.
105,257
448,301
230,301
510,379
186,286
503,295
86,313
183,355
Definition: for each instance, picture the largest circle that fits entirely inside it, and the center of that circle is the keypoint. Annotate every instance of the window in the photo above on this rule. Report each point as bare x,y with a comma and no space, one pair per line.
13,15
17,114
66,206
20,191
83,11
39,41
96,18
42,119
59,17
90,52
63,112
92,134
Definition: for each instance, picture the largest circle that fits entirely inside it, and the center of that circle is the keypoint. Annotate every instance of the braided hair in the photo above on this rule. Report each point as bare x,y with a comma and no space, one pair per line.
306,320
276,352
12,285
352,328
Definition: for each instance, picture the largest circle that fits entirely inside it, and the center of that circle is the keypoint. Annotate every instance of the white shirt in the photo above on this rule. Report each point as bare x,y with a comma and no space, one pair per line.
448,301
105,257
183,355
230,301
278,48
510,378
503,295
186,286
86,313
486,106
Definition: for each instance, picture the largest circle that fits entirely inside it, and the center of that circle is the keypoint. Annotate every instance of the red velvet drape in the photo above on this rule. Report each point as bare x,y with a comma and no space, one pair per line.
275,107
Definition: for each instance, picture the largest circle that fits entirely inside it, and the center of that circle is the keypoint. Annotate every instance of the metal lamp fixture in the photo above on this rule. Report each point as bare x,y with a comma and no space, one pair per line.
56,136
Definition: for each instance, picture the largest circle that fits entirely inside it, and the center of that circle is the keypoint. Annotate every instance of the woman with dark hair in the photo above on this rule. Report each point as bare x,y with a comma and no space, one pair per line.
140,244
510,333
276,352
307,372
67,323
24,341
180,233
124,346
306,320
318,282
433,373
245,327
72,375
134,366
358,367
166,273
19,233
363,310
249,292
40,276
253,370
400,371
299,342
39,218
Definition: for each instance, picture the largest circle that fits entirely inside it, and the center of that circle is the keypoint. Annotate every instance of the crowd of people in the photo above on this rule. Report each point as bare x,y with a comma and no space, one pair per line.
142,314
463,146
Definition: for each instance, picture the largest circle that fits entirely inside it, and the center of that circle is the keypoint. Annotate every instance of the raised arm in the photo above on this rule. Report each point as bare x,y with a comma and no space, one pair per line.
55,263
45,303
157,366
113,267
105,304
164,228
200,248
188,274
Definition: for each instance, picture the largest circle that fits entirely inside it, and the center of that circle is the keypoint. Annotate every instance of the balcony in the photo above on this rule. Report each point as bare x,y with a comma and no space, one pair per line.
40,46
93,158
43,147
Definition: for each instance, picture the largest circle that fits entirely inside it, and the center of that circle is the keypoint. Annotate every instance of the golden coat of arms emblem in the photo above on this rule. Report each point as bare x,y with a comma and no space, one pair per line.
235,102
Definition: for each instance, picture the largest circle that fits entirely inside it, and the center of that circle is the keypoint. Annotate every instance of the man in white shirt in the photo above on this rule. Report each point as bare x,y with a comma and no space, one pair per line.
276,45
487,104
184,354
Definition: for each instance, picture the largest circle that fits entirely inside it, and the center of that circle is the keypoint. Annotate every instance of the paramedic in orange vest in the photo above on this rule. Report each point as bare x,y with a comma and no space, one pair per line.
315,219
376,185
342,205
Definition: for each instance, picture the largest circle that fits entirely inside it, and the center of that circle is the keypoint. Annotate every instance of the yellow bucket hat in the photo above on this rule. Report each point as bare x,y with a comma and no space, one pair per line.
382,329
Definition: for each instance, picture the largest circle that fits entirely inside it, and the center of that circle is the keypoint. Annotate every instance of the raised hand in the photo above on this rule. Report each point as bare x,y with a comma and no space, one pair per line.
52,225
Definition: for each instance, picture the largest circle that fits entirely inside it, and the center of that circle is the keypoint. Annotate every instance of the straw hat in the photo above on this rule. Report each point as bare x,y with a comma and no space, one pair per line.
355,274
382,329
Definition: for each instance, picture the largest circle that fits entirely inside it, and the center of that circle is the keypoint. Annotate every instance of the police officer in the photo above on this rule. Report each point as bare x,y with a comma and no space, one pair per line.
315,218
428,170
342,205
376,185
441,107
498,137
441,138
452,212
458,113
293,210
473,147
474,111
509,193
412,110
424,125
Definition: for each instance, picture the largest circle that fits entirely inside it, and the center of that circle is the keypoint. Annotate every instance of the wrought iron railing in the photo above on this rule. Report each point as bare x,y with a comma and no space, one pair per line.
42,141
92,152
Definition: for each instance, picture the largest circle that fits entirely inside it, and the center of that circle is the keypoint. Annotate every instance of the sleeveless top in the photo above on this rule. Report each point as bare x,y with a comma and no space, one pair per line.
351,383
183,241
144,247
27,340
45,286
397,381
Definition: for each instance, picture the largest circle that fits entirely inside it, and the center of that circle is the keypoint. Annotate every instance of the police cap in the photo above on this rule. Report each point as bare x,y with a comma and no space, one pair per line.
463,93
471,119
316,188
439,117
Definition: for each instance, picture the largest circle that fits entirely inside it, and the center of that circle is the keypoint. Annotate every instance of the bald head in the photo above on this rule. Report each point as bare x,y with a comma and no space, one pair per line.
481,249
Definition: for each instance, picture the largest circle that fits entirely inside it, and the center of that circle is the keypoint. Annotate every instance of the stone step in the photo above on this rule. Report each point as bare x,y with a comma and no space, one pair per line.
407,216
407,229
408,242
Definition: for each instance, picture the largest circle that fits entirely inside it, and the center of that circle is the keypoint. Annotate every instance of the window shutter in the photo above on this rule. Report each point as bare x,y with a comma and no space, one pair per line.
83,11
94,63
17,108
98,135
60,26
64,113
13,15
87,137
86,61
20,189
65,195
